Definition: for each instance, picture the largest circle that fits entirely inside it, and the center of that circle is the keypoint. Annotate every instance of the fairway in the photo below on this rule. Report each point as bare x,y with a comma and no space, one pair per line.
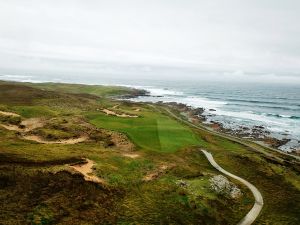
152,131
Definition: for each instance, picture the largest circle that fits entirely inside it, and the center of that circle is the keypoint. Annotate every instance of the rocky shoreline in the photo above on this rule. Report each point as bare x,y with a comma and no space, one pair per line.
133,94
257,133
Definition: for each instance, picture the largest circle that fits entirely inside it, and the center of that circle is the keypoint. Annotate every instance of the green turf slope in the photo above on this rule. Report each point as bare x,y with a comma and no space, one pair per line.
151,131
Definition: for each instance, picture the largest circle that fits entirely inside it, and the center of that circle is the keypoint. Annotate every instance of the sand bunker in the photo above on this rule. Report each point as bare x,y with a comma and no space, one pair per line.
33,123
131,155
41,140
9,113
63,141
12,127
86,170
109,112
27,125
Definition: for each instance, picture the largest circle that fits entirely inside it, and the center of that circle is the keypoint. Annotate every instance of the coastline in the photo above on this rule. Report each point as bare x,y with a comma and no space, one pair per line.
199,116
155,147
258,133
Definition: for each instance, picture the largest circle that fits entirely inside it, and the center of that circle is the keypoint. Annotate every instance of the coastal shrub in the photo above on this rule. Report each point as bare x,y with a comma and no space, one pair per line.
41,215
13,120
52,134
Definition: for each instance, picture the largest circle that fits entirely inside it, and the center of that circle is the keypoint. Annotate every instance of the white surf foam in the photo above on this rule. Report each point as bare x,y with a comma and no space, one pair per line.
250,116
154,91
275,124
192,101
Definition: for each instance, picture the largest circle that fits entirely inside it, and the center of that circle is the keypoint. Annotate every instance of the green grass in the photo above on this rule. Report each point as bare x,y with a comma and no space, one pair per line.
200,188
152,131
98,90
133,201
120,171
35,111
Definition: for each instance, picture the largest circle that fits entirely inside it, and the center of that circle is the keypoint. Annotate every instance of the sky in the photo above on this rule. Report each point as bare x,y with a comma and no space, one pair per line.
249,40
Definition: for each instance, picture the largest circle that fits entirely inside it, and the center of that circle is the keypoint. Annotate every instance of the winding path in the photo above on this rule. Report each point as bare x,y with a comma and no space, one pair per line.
257,207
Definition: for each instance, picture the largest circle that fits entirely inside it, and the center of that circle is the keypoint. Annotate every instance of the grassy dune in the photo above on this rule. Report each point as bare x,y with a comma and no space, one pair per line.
142,183
98,90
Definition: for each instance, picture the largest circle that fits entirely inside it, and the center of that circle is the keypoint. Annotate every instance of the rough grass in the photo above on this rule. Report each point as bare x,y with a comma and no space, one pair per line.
51,134
97,90
35,111
29,196
14,94
276,181
30,192
14,120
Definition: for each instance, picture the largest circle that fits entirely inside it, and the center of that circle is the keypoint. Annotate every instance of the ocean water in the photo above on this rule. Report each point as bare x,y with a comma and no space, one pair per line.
274,106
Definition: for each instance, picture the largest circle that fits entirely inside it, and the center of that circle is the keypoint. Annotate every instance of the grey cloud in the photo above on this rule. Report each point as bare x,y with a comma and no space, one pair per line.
152,38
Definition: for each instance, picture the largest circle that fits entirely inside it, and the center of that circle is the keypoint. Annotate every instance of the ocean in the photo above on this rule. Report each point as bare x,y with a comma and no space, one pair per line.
273,106
276,107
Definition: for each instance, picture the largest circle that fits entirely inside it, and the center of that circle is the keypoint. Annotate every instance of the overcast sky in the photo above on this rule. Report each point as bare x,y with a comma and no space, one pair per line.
194,39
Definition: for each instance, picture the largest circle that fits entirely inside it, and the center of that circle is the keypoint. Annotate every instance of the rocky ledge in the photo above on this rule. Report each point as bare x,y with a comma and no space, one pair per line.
134,94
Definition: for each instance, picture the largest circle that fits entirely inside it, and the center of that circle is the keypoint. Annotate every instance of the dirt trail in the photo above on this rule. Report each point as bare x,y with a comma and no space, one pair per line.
109,112
9,113
257,207
63,141
86,170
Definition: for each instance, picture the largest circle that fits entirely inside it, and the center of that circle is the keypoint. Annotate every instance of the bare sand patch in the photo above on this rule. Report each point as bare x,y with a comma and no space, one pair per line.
86,170
9,113
32,123
131,155
12,127
137,109
157,173
63,141
25,126
112,113
122,142
115,106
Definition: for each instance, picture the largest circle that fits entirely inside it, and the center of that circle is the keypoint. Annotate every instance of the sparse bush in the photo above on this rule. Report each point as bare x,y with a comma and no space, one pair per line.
52,134
108,143
41,215
14,120
21,126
